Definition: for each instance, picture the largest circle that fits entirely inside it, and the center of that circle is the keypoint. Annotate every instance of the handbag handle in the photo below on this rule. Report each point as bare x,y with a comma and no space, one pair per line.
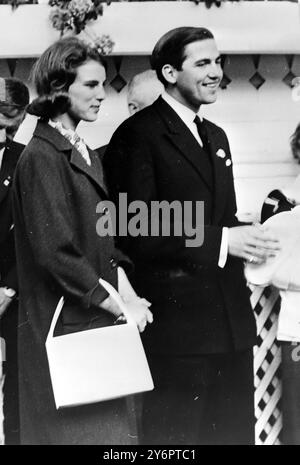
118,299
113,294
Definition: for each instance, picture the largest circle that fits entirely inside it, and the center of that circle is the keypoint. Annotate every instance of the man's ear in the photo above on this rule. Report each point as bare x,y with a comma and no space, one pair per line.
133,107
169,73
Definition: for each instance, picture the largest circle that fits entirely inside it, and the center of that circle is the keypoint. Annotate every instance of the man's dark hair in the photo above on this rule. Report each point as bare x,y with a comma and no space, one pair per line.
14,97
170,49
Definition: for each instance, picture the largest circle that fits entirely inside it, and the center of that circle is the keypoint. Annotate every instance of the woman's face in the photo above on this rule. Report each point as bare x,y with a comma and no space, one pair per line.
87,92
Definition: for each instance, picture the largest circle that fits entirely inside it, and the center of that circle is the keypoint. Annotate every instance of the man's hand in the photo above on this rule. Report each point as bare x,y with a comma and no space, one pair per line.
253,243
4,301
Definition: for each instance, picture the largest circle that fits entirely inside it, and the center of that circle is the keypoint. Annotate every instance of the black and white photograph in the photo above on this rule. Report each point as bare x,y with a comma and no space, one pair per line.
149,225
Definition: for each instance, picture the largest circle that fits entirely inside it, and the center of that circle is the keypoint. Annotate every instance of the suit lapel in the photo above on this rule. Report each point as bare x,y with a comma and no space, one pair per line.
220,172
98,169
180,136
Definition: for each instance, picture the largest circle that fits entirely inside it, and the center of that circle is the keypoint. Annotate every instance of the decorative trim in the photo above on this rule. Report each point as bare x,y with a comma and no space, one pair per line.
12,64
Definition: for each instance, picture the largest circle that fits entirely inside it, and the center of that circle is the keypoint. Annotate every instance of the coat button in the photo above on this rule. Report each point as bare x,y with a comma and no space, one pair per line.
113,263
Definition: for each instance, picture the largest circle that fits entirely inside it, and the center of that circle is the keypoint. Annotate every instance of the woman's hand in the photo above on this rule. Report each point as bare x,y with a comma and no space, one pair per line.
4,302
138,308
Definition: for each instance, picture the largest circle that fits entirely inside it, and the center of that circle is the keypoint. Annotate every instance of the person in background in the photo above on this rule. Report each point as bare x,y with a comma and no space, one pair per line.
200,344
14,97
58,186
143,89
283,200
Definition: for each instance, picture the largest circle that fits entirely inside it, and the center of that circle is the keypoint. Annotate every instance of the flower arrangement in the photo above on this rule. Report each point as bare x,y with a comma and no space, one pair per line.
103,44
74,15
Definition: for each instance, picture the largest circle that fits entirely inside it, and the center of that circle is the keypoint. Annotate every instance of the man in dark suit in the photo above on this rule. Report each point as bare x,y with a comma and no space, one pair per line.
14,97
200,344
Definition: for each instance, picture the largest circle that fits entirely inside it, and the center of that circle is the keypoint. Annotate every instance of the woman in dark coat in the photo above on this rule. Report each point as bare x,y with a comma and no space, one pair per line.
58,185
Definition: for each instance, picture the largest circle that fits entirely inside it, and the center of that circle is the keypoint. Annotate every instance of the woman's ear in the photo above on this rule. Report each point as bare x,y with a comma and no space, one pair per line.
57,85
169,73
59,81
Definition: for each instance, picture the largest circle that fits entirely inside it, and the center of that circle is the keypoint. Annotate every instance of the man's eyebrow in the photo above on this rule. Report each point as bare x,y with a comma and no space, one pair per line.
203,60
208,60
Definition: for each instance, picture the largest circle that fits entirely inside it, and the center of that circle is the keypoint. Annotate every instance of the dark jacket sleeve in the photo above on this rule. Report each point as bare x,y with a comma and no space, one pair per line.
276,202
41,200
123,261
11,279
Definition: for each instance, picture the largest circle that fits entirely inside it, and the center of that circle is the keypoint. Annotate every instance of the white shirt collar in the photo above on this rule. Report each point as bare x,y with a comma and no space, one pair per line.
68,133
73,138
186,114
1,156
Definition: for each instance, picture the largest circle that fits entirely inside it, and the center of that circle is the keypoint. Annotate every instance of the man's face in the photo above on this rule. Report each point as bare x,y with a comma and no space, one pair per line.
9,126
199,79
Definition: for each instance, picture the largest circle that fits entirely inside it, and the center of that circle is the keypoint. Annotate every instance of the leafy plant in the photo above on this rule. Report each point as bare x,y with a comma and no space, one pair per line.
74,15
16,3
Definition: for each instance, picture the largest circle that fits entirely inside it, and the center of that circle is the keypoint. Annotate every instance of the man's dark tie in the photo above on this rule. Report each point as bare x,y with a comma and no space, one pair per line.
206,147
202,133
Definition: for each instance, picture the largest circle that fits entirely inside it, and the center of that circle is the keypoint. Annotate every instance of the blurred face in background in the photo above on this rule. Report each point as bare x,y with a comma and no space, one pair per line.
9,124
143,91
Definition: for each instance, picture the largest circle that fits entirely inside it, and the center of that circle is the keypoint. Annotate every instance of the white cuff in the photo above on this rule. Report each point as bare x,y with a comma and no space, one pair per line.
223,248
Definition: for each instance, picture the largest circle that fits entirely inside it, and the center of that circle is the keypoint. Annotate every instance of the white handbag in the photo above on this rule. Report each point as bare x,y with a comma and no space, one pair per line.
97,364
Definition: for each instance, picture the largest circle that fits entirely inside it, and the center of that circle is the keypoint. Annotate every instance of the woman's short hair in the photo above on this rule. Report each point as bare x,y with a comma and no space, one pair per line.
295,143
170,49
55,71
